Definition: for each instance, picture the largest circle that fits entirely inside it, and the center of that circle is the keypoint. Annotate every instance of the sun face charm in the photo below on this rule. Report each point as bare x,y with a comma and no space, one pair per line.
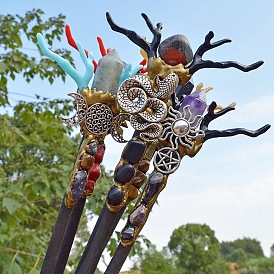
180,129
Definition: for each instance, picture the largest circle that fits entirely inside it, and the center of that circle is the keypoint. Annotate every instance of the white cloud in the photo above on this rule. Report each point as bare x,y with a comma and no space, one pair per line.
231,211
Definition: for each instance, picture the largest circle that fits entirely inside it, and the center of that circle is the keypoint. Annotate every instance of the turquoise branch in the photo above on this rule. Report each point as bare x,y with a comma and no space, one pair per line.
81,80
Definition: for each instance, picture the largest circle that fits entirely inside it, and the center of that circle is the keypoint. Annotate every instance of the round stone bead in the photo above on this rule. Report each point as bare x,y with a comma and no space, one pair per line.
94,172
176,50
92,148
132,192
90,185
87,161
124,173
100,153
115,196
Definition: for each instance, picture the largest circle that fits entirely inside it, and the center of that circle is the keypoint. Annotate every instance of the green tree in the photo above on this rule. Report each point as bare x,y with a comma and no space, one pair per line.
153,261
251,247
195,247
37,151
17,34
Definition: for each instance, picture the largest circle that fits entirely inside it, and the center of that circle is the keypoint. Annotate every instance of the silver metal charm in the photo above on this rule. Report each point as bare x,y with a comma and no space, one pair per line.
99,119
167,160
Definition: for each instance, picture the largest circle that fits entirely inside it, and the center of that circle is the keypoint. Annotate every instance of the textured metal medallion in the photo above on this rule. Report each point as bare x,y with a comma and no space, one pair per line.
98,119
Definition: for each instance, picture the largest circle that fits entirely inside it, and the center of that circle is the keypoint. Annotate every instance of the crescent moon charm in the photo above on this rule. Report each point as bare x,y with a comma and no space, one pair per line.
81,108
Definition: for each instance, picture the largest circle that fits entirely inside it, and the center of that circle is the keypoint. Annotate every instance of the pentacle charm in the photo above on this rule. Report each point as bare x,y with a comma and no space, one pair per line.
98,119
167,160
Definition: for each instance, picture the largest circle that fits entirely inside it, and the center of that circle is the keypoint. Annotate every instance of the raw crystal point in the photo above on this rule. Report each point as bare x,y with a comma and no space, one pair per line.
154,184
108,73
138,216
196,102
78,185
127,233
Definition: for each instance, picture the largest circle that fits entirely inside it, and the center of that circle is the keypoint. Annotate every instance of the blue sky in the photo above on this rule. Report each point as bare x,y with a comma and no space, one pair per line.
229,185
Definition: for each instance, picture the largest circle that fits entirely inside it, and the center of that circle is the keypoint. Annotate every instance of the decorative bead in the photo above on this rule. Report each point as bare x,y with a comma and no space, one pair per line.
78,184
92,148
144,166
176,50
115,196
124,174
154,185
139,179
127,233
87,161
94,172
90,185
138,216
100,153
132,192
134,151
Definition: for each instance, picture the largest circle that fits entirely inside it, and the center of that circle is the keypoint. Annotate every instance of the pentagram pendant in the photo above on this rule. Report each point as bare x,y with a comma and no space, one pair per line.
167,160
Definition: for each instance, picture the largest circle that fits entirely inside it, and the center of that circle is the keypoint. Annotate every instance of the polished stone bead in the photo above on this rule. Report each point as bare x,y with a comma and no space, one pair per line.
176,50
115,196
90,186
100,153
78,184
94,172
92,148
138,216
127,233
87,161
132,192
154,185
134,151
124,174
139,179
144,166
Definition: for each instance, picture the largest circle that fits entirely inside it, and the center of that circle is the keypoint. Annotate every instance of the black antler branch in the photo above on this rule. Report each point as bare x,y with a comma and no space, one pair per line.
149,48
211,115
198,63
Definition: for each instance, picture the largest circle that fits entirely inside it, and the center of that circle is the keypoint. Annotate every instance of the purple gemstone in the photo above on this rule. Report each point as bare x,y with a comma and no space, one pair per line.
138,216
154,184
196,102
127,233
79,184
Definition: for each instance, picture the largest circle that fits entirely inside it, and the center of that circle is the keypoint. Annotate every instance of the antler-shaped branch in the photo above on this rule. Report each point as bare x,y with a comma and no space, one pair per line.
149,48
81,80
211,115
198,63
72,42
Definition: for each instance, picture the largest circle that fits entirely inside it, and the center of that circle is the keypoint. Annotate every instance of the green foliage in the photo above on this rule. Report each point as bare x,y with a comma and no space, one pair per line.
37,155
258,266
17,35
241,250
154,262
192,241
